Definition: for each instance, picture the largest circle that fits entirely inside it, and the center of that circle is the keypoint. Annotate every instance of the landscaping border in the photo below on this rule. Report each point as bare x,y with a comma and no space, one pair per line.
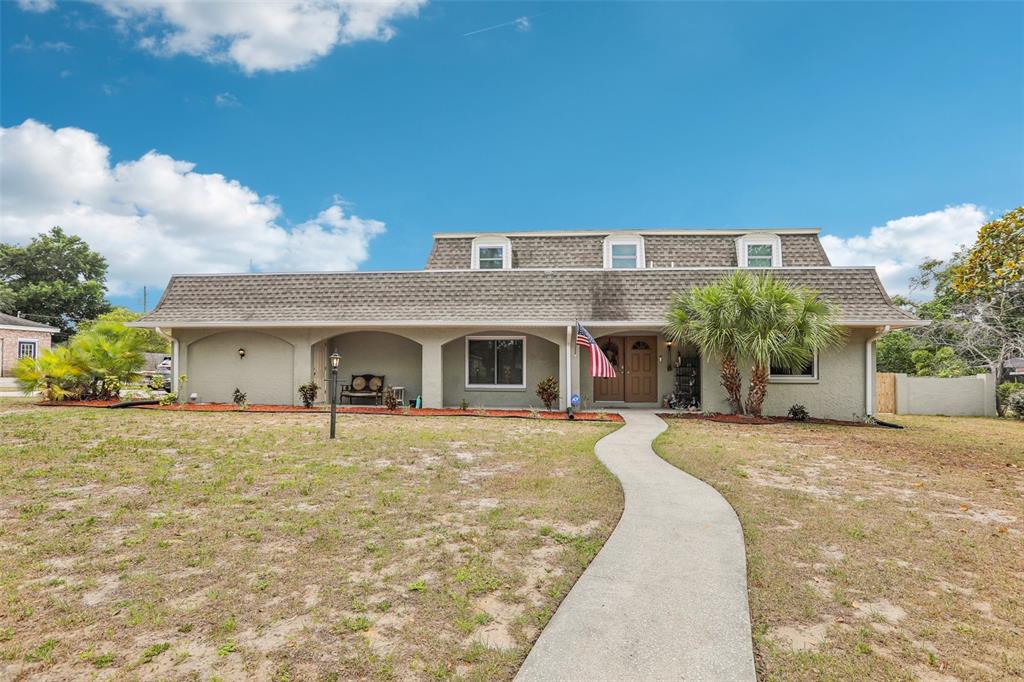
745,419
552,415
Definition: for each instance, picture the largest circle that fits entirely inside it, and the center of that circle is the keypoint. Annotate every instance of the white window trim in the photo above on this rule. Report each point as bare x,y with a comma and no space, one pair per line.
488,242
794,379
633,239
35,348
771,240
496,387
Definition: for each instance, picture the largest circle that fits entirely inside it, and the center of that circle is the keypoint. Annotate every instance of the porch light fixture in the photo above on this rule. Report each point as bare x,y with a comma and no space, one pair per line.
335,361
241,352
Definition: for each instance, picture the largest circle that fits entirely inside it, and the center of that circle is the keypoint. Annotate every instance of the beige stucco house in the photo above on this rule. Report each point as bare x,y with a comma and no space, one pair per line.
492,314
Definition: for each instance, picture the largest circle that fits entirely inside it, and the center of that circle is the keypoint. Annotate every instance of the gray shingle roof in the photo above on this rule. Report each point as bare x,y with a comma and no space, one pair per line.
12,321
699,250
447,296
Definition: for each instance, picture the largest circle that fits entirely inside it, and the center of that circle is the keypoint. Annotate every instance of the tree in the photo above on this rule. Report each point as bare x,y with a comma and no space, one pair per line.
56,278
893,353
711,318
151,341
785,327
759,319
996,261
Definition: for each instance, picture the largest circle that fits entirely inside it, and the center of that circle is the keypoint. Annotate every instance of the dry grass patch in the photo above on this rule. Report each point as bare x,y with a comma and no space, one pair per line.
139,544
875,553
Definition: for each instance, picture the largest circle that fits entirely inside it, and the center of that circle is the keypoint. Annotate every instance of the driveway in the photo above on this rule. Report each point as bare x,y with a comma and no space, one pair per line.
666,598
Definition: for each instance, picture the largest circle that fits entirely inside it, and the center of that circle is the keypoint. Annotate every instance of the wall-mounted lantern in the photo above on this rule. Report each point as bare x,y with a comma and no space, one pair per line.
241,352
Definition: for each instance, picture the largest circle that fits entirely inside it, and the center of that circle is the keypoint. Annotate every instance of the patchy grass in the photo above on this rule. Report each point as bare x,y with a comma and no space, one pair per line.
875,553
167,545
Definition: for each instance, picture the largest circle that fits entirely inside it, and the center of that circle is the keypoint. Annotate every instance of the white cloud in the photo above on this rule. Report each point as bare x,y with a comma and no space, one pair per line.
898,247
226,100
155,215
258,36
523,24
37,5
57,46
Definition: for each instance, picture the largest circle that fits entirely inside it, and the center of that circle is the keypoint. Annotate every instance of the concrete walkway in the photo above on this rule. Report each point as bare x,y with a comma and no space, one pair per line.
666,598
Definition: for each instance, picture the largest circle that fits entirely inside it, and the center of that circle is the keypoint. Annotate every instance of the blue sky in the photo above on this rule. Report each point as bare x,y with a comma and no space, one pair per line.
844,116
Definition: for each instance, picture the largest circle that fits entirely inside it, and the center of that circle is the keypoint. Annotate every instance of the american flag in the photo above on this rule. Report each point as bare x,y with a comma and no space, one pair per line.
599,365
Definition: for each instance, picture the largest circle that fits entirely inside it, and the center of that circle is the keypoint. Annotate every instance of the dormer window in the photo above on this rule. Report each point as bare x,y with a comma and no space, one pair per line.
759,251
492,253
624,252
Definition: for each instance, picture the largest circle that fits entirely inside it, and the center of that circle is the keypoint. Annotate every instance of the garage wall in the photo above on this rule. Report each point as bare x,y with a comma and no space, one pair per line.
264,374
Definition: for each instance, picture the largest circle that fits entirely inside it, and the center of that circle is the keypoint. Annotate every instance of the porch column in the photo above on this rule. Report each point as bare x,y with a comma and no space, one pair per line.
432,374
563,370
302,365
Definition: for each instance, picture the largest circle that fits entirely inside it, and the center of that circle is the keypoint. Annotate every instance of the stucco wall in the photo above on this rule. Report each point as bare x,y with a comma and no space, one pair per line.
838,393
542,360
973,396
264,374
399,359
9,340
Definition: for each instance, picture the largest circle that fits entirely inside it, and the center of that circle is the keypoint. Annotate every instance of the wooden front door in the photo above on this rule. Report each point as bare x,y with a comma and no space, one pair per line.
641,369
611,389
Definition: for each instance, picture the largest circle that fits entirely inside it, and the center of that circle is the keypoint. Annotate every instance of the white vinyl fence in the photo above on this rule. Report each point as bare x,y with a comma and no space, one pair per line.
973,396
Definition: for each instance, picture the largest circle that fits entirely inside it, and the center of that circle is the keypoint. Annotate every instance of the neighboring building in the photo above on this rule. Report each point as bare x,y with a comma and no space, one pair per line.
493,314
19,338
1013,370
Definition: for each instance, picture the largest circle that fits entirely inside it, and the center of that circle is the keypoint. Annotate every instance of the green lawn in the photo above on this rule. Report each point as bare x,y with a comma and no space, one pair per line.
875,554
182,545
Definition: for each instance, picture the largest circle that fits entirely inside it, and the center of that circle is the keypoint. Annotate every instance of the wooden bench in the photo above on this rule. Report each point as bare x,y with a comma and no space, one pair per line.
364,386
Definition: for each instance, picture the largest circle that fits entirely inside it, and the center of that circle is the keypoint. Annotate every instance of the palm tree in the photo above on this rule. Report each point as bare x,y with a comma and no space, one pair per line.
785,327
713,318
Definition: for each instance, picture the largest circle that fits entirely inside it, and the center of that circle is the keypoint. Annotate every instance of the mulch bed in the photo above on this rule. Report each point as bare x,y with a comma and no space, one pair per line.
755,421
411,412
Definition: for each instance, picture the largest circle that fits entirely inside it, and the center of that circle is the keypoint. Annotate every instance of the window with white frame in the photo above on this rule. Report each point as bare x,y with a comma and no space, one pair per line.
495,362
759,251
624,252
492,253
27,348
806,374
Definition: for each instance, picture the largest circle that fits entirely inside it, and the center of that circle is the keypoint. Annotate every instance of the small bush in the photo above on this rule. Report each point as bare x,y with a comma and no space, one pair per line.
156,382
169,399
463,404
547,391
307,393
389,398
798,413
239,399
1015,403
1005,390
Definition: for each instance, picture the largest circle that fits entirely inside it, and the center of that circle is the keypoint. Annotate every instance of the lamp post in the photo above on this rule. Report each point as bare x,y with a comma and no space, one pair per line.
335,361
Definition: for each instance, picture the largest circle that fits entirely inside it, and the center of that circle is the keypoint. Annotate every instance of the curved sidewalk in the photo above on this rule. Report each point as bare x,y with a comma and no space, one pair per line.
666,597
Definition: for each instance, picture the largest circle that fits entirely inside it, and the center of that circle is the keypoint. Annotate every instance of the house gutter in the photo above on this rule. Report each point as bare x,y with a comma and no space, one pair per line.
869,370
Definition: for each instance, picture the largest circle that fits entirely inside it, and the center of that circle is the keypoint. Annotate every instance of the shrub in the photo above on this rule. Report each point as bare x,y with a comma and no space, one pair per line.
1005,390
463,404
156,382
94,365
1015,403
239,399
547,391
169,399
307,393
389,398
798,413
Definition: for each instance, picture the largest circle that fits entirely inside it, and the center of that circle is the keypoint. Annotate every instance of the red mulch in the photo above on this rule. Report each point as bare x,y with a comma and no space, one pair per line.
412,412
755,421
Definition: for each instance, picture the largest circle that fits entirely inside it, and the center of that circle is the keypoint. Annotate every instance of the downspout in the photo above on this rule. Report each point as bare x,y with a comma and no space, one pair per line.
869,370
